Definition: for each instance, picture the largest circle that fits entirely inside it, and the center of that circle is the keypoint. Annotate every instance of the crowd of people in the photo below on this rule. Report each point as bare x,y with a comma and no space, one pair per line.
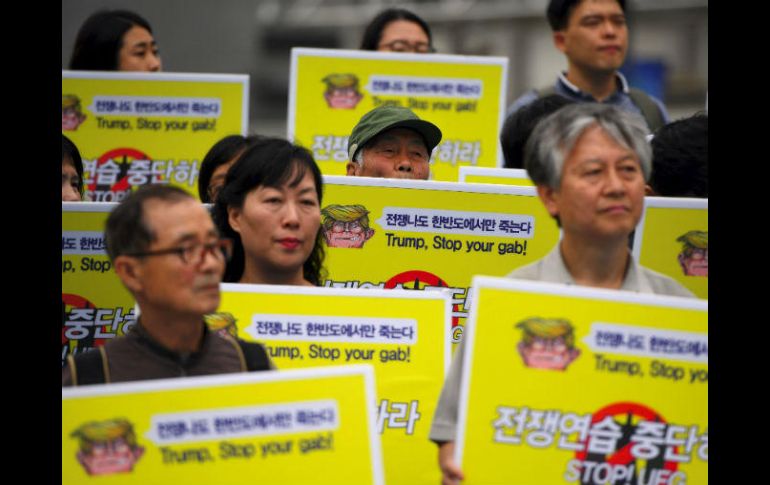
584,142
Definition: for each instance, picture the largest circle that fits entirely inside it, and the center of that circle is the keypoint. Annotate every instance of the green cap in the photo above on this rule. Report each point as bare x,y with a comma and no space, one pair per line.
387,117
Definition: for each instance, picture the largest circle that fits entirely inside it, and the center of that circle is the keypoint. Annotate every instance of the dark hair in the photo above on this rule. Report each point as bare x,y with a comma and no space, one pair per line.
70,151
680,157
519,125
559,12
373,32
268,162
222,152
126,231
100,39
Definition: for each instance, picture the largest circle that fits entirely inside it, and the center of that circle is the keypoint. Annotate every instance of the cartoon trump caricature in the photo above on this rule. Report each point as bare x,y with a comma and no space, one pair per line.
547,343
342,91
694,257
345,226
107,447
71,114
223,323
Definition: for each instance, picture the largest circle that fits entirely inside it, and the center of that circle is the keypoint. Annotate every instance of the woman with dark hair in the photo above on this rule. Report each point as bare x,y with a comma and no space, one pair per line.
270,206
217,162
115,40
397,30
71,172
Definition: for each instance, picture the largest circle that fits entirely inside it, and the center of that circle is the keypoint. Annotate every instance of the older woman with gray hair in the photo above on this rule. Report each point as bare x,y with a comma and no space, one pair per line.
589,162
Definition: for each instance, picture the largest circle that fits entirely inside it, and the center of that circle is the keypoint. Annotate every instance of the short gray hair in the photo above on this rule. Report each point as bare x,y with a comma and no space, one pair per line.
359,157
554,137
126,230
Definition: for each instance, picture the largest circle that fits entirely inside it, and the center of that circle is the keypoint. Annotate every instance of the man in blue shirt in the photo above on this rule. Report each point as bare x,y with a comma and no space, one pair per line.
593,35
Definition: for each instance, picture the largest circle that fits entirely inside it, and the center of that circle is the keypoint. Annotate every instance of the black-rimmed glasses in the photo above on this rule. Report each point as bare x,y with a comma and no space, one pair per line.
404,46
194,254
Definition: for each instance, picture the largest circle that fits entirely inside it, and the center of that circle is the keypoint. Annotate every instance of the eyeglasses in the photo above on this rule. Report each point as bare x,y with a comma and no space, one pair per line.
194,254
353,226
404,46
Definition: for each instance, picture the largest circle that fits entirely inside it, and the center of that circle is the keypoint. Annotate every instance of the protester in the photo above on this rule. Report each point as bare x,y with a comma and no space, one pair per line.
680,158
115,40
168,254
71,172
217,162
392,142
519,125
589,163
593,36
397,30
270,208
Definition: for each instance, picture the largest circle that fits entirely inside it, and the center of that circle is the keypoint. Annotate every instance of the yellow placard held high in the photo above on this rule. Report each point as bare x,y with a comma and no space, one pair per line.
464,96
133,129
285,427
403,334
672,238
565,384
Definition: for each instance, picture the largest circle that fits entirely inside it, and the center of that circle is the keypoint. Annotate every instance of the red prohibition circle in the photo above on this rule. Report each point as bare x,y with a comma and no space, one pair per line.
418,280
117,154
623,455
76,301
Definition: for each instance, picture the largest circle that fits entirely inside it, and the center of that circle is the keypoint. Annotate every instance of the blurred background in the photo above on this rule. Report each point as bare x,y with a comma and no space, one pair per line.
668,41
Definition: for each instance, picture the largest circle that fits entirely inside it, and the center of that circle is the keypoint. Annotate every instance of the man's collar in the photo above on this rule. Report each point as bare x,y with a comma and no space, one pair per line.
620,80
156,346
632,278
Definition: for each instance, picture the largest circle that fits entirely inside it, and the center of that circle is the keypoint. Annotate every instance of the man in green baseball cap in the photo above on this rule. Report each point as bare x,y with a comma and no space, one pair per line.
392,142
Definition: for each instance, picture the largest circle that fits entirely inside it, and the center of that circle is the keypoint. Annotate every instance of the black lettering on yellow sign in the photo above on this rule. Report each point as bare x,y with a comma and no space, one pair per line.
113,124
173,456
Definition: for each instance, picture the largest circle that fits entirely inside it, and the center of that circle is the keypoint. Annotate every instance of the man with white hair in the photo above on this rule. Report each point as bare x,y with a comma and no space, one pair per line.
589,163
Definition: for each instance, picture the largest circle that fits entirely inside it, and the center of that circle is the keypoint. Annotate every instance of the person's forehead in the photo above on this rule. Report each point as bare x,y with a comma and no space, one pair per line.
138,35
67,162
593,7
177,220
402,28
222,169
304,184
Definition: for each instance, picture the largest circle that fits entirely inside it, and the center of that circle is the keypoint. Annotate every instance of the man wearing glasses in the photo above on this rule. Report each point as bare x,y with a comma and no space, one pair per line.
167,252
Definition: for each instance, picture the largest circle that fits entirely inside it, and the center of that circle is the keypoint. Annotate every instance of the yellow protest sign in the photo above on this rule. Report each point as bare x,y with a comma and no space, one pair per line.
95,305
284,427
567,384
384,233
484,175
672,238
403,334
408,234
330,90
140,128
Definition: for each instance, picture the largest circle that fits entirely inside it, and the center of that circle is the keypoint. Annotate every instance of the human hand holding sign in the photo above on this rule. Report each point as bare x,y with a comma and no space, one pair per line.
450,471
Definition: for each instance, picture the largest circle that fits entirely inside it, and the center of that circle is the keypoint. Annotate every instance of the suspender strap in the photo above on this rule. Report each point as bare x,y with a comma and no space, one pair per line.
255,356
650,109
91,368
